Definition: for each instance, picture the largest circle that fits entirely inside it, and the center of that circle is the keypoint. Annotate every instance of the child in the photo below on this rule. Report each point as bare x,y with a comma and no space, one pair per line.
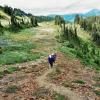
52,59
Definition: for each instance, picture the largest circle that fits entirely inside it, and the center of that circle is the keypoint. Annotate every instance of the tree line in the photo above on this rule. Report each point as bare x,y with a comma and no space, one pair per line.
87,52
91,24
20,19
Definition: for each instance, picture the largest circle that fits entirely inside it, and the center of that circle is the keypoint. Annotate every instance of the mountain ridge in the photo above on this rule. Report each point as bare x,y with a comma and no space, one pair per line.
71,17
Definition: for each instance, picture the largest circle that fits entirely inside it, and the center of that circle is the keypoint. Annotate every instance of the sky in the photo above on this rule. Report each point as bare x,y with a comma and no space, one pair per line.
45,7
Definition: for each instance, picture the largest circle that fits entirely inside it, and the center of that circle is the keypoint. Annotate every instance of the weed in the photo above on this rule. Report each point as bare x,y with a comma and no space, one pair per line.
12,69
1,74
40,93
66,84
59,96
12,89
79,81
97,92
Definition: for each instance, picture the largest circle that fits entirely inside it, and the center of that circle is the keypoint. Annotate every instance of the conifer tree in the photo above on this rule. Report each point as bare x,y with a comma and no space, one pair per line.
1,29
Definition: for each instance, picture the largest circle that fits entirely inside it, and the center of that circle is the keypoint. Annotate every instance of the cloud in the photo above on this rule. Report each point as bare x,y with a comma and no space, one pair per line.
53,6
83,6
37,3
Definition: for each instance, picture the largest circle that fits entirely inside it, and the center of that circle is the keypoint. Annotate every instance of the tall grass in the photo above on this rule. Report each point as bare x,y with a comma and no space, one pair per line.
16,49
90,57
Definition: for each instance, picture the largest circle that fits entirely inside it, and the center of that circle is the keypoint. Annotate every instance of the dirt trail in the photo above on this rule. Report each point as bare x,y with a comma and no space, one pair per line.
42,79
59,89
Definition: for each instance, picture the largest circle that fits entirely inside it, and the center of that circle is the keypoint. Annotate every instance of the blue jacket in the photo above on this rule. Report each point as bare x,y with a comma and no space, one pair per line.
52,58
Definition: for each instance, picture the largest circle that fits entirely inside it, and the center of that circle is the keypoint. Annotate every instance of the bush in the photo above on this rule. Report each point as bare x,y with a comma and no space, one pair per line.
59,97
97,92
12,69
0,50
66,84
1,74
12,89
18,57
79,81
40,93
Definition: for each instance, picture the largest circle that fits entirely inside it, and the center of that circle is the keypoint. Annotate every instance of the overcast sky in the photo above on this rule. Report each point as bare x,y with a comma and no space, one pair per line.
44,7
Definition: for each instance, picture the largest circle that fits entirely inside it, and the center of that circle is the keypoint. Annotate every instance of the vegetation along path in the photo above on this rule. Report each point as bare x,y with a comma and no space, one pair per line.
34,74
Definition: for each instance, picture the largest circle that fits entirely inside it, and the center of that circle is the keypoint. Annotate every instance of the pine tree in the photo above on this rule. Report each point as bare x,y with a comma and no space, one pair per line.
85,48
34,21
0,50
8,10
1,29
77,19
14,24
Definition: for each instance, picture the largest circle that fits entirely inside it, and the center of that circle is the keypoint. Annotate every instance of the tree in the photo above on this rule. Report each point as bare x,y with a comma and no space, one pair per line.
96,37
59,20
0,50
84,24
34,21
1,29
85,48
14,24
8,10
77,19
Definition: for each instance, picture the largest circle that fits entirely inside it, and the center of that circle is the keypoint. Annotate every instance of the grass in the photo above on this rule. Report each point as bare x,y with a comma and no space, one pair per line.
18,47
9,70
59,97
79,81
1,74
18,57
81,47
96,85
68,51
96,79
56,72
12,89
40,93
87,58
66,84
4,15
97,92
12,69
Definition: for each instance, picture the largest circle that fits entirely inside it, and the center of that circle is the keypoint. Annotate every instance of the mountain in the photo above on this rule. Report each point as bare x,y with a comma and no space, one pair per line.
93,12
71,17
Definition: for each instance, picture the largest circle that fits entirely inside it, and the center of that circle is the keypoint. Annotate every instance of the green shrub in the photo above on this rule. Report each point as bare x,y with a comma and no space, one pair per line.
12,69
40,93
20,46
85,56
97,85
59,97
1,50
97,92
12,57
1,74
66,84
79,81
12,89
96,79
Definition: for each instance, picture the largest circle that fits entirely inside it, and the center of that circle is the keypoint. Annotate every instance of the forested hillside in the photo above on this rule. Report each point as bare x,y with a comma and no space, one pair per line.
88,50
91,24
